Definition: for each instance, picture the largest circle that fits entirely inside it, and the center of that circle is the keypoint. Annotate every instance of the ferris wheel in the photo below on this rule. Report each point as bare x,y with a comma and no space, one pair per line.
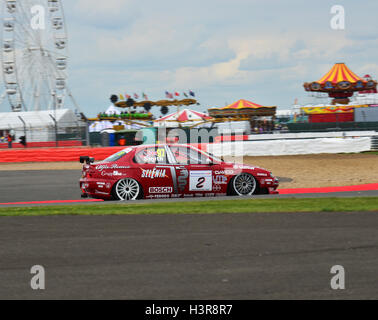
34,57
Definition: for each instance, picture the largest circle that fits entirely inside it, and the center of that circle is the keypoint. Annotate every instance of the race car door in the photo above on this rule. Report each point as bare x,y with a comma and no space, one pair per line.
194,171
155,174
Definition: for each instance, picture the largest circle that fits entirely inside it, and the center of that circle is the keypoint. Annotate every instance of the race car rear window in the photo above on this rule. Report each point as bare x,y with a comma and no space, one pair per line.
118,155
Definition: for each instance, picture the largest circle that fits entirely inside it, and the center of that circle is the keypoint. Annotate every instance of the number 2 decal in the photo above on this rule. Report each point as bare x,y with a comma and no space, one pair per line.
200,183
200,180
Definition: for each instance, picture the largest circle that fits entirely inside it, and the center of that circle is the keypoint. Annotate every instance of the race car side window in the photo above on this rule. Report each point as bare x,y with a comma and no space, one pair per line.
151,155
186,155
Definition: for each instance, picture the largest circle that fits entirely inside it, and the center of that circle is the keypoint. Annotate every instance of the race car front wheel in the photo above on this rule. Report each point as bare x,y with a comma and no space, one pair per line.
243,184
126,189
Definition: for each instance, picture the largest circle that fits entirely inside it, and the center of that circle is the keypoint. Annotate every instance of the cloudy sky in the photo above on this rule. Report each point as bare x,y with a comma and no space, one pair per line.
223,50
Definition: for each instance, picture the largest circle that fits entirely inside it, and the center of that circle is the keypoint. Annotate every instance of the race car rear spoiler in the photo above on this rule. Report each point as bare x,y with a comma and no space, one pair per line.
86,159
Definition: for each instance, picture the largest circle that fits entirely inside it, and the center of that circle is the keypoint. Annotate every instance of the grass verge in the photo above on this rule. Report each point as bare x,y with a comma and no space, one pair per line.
206,207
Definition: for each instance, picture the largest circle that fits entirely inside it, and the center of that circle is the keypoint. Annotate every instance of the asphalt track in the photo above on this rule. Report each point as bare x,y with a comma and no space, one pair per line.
17,186
219,256
25,187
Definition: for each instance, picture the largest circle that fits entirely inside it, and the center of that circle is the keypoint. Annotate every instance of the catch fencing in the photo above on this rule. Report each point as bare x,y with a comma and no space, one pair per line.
73,133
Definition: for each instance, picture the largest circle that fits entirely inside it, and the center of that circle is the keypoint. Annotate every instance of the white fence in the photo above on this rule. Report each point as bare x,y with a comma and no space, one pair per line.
312,135
297,143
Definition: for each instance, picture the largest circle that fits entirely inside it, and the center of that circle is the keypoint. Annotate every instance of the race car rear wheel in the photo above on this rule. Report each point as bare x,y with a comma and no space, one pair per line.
243,184
127,189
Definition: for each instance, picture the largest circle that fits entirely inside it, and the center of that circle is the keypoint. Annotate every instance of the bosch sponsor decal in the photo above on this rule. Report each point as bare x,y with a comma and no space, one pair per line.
200,180
154,173
160,190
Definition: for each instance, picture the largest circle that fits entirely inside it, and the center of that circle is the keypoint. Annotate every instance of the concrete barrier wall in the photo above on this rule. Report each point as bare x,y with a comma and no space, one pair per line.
291,147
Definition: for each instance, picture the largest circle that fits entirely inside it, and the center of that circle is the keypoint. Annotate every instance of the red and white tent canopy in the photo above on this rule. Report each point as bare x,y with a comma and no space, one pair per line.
183,116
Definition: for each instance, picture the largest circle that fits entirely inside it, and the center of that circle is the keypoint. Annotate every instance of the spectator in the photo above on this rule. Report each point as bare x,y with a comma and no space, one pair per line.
10,139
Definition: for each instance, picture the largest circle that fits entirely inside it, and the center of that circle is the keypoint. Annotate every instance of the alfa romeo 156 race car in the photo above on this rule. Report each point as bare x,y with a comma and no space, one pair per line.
170,171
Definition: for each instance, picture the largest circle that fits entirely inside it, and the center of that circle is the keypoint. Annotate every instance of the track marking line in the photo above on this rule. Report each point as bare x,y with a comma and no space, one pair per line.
50,201
361,187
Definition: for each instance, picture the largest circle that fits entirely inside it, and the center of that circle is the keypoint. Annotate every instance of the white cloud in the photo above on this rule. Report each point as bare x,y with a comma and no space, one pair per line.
224,49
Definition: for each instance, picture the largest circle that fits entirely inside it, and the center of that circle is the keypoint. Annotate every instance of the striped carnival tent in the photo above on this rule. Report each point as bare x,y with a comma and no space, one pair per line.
243,108
183,117
242,104
338,73
340,83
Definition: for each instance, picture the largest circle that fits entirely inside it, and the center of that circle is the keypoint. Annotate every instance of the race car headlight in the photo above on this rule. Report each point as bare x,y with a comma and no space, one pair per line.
273,177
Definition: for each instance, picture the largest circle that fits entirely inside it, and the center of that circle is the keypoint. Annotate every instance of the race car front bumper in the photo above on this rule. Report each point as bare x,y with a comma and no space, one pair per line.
270,185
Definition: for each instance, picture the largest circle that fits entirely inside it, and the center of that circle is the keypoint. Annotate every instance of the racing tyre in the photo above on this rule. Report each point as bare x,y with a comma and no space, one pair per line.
244,184
127,189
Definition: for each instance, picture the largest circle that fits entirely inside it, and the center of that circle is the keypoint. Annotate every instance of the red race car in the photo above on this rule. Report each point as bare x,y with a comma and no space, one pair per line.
170,171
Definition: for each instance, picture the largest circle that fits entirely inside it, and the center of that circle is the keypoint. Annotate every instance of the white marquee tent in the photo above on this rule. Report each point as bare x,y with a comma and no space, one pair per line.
112,110
38,124
185,117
